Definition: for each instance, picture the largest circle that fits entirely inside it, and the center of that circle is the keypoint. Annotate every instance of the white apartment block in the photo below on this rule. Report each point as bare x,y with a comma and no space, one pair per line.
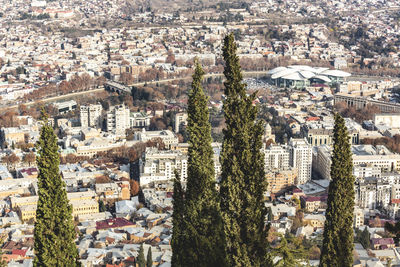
167,136
300,157
378,156
91,116
180,120
368,161
276,157
160,165
118,119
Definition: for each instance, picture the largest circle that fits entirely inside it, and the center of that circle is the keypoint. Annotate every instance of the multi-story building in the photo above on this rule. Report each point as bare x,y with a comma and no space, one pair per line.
300,157
279,180
378,156
160,165
118,119
167,136
388,119
84,207
139,120
276,157
372,193
368,161
180,120
322,136
321,162
313,203
91,116
358,217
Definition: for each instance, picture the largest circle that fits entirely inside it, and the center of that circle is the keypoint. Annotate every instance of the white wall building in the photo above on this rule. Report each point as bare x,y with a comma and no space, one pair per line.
180,120
167,136
301,159
118,119
91,116
276,157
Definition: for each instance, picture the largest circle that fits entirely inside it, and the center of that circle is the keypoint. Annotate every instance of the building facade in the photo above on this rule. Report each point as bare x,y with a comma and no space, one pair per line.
90,116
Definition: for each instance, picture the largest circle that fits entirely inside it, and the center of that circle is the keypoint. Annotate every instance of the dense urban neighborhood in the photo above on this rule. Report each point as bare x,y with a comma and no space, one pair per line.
115,81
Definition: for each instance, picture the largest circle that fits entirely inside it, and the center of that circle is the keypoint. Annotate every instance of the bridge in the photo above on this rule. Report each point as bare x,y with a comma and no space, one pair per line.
117,87
361,102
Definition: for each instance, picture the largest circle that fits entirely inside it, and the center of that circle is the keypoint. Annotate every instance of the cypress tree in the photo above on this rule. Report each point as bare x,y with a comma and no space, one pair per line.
141,260
54,232
3,262
337,246
243,178
178,224
149,262
203,231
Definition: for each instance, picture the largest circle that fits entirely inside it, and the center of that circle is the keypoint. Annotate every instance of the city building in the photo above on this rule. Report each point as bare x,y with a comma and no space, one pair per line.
118,119
90,116
167,136
276,157
139,120
180,121
298,76
300,158
280,180
159,165
268,133
388,119
64,107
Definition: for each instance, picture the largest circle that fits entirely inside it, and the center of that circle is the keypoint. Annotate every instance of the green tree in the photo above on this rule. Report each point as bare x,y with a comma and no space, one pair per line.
149,262
393,229
291,253
54,232
141,261
203,230
3,262
365,238
102,207
243,178
178,249
337,246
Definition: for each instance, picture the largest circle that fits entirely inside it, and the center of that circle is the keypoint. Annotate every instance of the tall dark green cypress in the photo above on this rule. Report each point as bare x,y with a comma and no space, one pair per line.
54,232
178,250
149,261
203,230
243,178
337,246
140,258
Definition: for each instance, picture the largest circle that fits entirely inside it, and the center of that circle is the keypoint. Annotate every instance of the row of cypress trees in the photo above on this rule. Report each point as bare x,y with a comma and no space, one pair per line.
224,228
211,228
227,228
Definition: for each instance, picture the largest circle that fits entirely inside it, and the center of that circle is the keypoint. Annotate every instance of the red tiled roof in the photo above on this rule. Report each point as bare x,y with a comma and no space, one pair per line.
113,223
313,119
20,252
382,241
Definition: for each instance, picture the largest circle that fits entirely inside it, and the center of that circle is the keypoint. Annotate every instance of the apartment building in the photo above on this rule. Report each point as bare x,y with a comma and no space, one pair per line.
280,180
301,159
118,119
276,157
159,165
90,116
180,121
